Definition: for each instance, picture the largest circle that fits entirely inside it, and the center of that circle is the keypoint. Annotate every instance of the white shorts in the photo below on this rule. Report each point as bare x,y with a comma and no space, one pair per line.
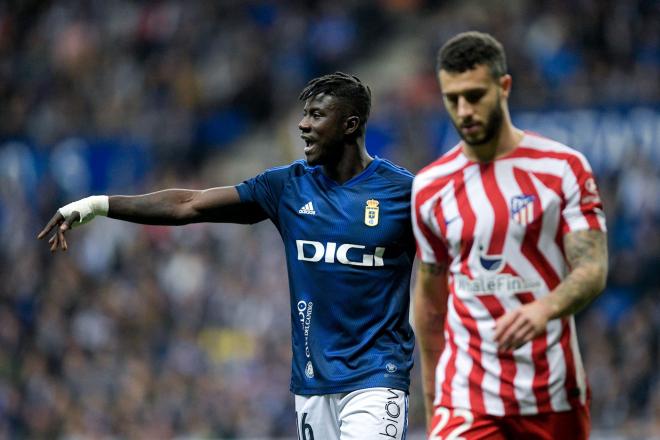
368,414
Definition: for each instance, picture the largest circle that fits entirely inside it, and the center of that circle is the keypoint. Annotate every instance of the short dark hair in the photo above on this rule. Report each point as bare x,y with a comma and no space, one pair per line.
347,88
468,49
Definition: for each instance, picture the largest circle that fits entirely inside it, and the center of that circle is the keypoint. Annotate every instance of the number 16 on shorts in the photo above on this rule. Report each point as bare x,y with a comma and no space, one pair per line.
304,429
365,414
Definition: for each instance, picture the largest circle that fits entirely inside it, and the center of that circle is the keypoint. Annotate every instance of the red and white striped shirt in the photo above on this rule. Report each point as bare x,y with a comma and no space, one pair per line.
499,227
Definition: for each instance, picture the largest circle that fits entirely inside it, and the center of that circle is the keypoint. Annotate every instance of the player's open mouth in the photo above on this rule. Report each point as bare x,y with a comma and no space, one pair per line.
309,144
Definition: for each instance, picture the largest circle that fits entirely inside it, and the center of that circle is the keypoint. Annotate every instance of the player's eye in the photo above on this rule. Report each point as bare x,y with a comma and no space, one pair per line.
474,96
452,99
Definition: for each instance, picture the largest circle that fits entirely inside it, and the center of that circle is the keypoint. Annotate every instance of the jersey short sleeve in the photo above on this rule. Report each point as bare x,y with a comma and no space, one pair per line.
583,208
266,189
430,248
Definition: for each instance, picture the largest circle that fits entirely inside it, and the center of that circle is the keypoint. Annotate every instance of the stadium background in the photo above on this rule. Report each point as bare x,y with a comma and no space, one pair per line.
152,332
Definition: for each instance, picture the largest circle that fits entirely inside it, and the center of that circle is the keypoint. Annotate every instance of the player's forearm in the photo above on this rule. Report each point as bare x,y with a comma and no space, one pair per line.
430,310
586,252
430,339
579,288
167,207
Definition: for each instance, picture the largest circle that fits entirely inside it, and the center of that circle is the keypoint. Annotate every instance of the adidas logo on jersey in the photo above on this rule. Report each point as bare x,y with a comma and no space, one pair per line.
307,209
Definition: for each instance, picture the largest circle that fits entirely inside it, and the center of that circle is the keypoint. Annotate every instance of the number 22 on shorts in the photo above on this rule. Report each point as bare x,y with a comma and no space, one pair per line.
445,414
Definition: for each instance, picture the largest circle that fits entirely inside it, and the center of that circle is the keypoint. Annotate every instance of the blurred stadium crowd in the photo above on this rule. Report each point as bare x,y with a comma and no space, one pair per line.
153,332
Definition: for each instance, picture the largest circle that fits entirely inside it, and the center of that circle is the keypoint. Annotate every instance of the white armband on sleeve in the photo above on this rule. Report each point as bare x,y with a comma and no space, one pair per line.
89,207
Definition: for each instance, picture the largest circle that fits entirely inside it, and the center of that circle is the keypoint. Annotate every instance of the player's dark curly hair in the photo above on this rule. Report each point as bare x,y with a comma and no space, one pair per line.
468,49
354,95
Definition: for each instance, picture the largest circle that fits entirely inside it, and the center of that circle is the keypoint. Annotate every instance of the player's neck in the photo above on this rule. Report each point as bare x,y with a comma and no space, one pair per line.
504,143
354,160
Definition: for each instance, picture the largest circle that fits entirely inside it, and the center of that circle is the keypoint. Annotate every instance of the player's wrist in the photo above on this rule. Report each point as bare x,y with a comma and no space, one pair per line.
88,208
548,307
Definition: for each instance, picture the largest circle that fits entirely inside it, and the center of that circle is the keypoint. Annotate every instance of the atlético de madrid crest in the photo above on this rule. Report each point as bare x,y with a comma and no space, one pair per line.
522,209
371,213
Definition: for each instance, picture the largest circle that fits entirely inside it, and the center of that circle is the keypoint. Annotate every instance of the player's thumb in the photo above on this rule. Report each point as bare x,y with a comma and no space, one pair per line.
70,221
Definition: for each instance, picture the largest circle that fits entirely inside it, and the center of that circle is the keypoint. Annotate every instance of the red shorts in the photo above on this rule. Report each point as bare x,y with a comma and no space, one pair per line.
463,424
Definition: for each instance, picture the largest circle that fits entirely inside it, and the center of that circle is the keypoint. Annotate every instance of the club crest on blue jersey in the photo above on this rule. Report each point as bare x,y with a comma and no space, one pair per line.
371,213
522,209
309,370
390,367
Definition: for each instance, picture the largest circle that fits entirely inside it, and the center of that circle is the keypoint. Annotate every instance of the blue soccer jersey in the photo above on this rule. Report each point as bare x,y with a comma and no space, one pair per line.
349,251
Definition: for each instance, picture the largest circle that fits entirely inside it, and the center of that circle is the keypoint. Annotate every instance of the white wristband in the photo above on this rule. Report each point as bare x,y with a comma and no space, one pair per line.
89,207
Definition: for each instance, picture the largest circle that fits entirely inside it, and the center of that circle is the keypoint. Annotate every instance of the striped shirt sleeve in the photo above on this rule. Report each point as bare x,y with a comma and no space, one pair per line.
583,208
430,247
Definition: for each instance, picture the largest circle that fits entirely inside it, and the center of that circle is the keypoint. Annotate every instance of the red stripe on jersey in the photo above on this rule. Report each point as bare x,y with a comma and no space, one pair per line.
541,382
571,386
551,182
529,247
450,369
507,362
469,220
474,350
562,227
501,214
474,346
500,209
559,237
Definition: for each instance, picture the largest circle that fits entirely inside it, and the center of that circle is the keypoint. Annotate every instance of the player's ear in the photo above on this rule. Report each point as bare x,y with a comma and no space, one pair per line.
505,84
352,124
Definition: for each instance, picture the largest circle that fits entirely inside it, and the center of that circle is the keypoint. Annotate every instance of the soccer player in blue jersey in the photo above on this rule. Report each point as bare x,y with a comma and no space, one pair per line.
344,218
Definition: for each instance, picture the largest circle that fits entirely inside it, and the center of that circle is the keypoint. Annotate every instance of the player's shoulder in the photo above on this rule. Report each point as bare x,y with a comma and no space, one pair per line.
538,146
299,167
293,169
393,172
446,165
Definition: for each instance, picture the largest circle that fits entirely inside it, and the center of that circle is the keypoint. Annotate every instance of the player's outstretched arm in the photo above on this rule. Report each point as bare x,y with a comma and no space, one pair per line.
183,206
586,252
430,310
167,207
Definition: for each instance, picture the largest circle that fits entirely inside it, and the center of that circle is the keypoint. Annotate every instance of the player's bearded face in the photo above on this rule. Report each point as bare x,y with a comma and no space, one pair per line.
474,102
484,132
322,129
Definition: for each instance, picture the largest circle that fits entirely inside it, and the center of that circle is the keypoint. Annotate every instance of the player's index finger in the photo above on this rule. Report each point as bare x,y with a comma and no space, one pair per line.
503,323
53,221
